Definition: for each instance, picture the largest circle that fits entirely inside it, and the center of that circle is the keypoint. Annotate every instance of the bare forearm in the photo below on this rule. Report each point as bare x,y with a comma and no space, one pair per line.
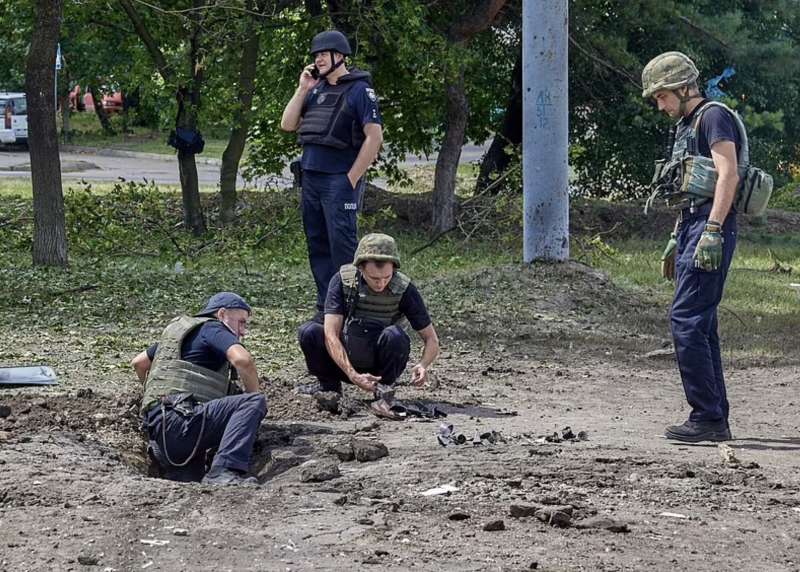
339,355
290,120
249,377
724,195
366,156
429,352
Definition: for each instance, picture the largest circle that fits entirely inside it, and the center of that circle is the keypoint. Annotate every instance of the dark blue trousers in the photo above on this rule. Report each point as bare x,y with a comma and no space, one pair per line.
694,318
231,425
393,348
330,208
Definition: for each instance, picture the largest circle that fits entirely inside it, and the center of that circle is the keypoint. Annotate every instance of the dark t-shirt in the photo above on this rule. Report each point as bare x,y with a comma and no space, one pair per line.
716,125
411,304
205,346
363,104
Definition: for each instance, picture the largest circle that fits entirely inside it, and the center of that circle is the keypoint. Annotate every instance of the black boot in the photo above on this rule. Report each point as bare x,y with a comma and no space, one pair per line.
696,431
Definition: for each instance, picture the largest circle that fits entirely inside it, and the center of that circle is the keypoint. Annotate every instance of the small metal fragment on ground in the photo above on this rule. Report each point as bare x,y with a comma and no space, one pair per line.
440,490
728,456
154,542
672,515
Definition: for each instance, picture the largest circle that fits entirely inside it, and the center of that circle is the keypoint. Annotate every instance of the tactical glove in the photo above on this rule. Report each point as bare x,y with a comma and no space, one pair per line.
708,254
668,258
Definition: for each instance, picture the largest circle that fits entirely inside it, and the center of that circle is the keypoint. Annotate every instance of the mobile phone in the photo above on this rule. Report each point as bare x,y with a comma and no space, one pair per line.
315,72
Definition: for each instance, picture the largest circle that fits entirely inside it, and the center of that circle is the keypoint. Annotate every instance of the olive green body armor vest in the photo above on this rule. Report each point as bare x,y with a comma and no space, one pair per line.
169,374
362,302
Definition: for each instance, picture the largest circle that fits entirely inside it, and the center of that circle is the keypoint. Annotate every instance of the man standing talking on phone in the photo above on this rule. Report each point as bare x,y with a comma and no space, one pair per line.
335,114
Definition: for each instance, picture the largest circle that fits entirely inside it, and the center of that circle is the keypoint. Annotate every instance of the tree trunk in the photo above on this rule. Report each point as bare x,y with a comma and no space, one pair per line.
444,197
496,160
100,111
241,123
49,229
193,218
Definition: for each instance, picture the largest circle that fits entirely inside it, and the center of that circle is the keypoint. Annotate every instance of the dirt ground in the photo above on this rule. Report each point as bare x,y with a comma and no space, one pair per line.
549,347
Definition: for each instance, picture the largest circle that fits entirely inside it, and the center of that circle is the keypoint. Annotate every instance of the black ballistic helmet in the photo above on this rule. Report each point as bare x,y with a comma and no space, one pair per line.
330,41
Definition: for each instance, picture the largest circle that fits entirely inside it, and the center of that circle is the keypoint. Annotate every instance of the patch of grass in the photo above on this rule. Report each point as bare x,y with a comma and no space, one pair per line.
86,131
758,313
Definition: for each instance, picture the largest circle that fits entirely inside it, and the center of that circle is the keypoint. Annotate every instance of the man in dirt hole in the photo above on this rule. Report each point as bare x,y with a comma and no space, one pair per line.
709,136
362,340
192,405
335,114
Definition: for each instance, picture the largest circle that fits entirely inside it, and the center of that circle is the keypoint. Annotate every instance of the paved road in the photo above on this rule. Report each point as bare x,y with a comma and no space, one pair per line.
112,165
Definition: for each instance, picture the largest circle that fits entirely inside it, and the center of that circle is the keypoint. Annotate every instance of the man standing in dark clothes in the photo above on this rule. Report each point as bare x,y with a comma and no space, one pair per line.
362,340
700,251
190,403
335,113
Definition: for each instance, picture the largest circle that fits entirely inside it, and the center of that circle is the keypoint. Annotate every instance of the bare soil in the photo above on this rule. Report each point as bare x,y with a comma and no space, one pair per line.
537,350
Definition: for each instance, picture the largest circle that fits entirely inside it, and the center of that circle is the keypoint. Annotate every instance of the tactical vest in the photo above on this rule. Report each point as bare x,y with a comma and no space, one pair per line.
362,302
327,118
688,179
169,374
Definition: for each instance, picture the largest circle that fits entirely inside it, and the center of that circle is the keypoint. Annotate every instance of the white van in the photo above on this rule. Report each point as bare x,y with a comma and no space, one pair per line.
13,118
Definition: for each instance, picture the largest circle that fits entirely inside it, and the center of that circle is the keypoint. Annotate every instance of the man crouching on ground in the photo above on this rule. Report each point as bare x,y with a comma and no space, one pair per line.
190,403
361,341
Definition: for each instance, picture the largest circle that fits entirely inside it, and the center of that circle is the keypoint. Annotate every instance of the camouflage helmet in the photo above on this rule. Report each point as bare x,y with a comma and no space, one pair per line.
377,247
669,70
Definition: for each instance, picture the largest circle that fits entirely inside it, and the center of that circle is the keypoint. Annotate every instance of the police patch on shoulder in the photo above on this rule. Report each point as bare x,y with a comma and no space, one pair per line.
371,94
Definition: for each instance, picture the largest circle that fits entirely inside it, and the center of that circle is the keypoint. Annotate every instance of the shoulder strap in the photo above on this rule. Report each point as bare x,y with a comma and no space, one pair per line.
744,150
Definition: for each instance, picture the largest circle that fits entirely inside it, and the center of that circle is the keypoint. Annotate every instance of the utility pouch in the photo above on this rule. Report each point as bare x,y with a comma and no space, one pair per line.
699,177
360,341
181,403
755,190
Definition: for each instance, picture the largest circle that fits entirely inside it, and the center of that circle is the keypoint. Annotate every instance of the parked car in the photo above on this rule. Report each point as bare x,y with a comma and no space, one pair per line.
13,118
112,102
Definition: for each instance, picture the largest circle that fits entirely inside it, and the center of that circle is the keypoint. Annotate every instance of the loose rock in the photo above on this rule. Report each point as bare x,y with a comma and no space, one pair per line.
5,411
559,515
317,471
494,526
280,462
327,401
344,451
602,522
366,451
458,516
522,510
88,560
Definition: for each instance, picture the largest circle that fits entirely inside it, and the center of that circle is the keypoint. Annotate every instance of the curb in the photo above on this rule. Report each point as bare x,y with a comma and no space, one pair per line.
105,152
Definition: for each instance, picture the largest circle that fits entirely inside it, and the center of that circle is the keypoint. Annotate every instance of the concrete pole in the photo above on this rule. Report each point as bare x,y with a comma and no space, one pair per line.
545,170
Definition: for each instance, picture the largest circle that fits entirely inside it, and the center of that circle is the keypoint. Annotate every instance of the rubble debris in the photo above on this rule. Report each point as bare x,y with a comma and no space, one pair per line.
447,436
566,435
602,522
180,532
85,393
440,490
728,456
327,401
494,526
319,470
280,462
458,516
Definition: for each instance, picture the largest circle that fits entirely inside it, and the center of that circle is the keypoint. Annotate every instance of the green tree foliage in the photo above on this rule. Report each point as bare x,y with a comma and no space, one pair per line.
615,135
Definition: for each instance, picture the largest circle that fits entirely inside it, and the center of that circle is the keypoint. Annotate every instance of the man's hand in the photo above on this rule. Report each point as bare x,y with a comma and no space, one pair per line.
307,81
365,381
419,375
708,254
668,258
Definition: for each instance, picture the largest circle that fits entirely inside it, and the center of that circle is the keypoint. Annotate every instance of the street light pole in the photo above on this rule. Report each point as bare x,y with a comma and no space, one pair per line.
545,140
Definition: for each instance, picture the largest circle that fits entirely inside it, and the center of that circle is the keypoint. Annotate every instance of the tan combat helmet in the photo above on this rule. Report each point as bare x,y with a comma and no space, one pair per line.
378,247
669,70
